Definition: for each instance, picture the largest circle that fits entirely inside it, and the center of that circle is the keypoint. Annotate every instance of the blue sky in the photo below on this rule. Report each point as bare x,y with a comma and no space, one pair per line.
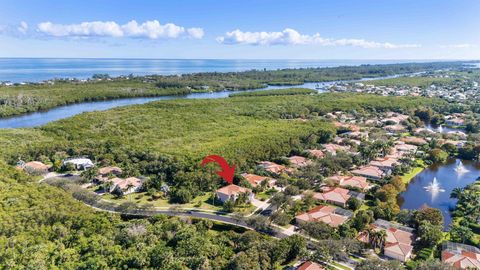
247,29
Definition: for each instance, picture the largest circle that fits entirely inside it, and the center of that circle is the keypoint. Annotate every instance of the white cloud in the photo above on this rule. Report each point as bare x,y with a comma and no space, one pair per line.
459,46
101,29
196,32
23,27
149,29
293,37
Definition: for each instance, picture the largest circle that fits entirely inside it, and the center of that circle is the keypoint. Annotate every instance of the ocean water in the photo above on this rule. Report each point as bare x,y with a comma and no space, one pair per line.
39,69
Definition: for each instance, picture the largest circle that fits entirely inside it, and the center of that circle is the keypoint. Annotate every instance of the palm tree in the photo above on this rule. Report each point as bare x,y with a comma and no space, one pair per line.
456,193
377,239
381,238
130,186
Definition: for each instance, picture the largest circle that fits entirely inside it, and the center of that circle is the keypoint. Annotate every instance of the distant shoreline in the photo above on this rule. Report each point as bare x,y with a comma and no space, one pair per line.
22,70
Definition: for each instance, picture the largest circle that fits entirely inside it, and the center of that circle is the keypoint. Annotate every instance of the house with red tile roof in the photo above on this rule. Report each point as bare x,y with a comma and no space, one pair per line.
273,167
126,186
350,181
328,214
454,121
105,173
385,163
399,240
231,192
298,161
316,153
370,172
347,126
334,148
405,148
358,135
309,265
461,256
395,118
256,180
34,167
395,128
414,140
337,196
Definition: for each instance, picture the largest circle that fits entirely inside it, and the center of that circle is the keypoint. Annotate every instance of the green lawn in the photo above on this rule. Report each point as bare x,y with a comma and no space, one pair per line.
203,202
340,266
406,178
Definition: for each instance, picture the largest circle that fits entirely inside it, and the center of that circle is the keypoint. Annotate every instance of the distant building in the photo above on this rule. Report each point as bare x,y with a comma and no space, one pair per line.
105,173
79,163
454,121
334,148
359,182
298,161
414,140
387,164
256,180
309,265
395,128
34,167
356,135
337,196
370,172
231,192
399,240
328,214
126,186
316,153
461,256
273,167
405,148
395,118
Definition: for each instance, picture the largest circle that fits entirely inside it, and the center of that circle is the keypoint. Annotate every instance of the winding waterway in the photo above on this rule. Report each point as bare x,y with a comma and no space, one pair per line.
454,173
44,117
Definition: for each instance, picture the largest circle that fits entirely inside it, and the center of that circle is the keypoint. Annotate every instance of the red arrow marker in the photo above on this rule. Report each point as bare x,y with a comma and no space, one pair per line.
227,172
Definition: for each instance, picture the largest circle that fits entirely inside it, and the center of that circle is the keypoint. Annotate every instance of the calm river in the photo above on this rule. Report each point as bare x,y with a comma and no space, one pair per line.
41,118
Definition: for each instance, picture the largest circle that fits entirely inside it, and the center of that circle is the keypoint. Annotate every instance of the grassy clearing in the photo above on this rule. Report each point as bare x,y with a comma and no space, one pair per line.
202,202
406,178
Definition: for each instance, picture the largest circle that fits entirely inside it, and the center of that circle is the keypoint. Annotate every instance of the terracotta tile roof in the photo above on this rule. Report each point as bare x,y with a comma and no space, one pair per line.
298,161
414,140
324,213
109,170
36,165
309,265
338,195
344,125
371,171
254,179
399,239
273,167
233,190
316,153
334,148
384,162
399,248
461,256
124,183
352,181
394,128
